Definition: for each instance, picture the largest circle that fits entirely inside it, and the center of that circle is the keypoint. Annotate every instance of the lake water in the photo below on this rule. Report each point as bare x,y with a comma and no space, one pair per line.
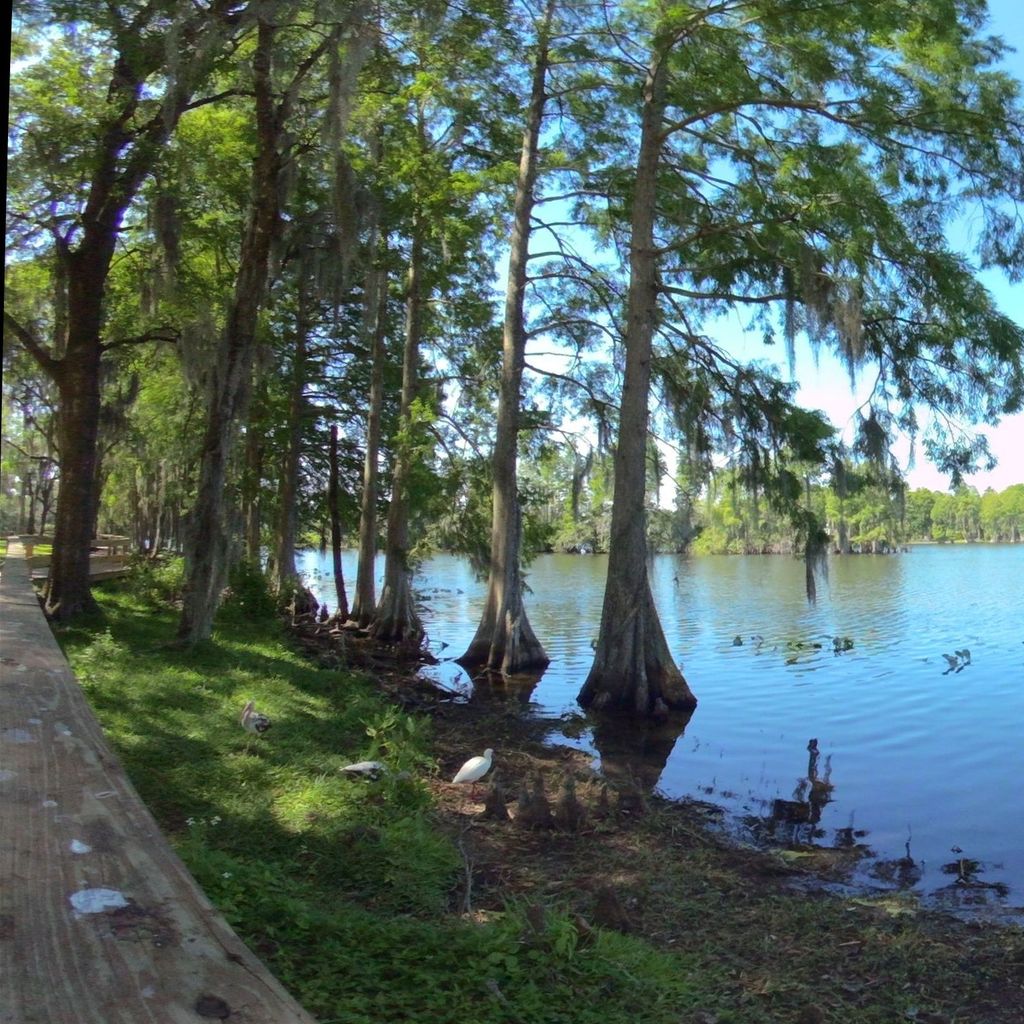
909,750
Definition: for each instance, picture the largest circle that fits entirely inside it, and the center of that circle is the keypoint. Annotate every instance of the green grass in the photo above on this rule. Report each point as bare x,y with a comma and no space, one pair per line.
344,887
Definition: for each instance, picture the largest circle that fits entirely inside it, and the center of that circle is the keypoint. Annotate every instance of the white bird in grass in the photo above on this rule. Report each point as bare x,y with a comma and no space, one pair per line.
254,721
371,769
475,768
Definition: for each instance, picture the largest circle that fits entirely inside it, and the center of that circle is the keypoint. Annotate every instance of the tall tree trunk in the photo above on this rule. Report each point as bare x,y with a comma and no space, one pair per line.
374,326
206,544
396,620
286,577
28,499
25,503
159,512
252,479
333,496
633,671
504,640
77,374
44,492
208,530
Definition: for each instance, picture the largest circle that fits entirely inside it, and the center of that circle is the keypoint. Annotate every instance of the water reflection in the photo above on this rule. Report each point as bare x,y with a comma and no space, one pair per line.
867,678
634,753
811,795
489,687
968,871
902,872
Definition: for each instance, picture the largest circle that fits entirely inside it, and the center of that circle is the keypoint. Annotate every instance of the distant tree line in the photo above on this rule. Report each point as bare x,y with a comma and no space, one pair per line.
873,518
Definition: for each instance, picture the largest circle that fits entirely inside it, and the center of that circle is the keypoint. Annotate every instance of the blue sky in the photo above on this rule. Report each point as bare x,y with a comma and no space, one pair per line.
826,385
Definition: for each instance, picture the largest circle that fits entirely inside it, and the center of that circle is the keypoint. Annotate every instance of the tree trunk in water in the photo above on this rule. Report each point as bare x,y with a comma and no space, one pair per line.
207,536
365,599
396,620
333,493
633,671
504,640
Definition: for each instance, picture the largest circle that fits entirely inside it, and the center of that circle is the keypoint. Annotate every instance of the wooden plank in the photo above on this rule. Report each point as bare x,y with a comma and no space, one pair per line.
114,543
100,921
101,567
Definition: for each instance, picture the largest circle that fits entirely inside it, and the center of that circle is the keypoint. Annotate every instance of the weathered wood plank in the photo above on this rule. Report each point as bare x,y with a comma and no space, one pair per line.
101,567
100,922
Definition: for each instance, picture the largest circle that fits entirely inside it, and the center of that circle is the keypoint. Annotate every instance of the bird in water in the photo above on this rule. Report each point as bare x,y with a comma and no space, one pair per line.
475,768
254,721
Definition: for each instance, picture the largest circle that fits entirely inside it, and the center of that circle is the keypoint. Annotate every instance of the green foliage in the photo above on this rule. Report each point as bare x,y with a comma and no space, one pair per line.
341,885
157,581
461,515
867,515
249,592
395,736
94,658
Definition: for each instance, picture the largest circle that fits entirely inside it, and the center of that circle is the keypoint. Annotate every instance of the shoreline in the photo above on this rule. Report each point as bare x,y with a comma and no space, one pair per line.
670,872
832,870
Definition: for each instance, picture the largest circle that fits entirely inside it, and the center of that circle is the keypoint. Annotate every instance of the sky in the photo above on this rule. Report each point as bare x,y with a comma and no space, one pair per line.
825,385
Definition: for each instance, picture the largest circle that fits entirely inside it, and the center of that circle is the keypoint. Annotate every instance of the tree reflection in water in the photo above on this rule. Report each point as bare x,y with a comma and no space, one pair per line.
634,752
490,687
812,794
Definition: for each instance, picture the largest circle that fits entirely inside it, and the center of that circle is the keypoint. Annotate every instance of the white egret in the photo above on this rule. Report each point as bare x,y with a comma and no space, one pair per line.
475,768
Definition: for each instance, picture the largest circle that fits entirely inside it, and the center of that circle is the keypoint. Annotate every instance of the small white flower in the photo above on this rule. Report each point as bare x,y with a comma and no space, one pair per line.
215,820
190,821
227,874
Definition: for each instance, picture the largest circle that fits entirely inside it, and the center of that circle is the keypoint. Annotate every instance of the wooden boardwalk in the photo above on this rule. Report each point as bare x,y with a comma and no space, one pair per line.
100,922
101,567
108,560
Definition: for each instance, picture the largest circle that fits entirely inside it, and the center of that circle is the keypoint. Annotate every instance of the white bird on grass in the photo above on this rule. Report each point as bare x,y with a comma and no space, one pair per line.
475,768
254,721
371,769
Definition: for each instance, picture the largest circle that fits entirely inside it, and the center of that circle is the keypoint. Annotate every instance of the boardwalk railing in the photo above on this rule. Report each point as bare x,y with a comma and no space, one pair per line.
108,559
100,922
114,543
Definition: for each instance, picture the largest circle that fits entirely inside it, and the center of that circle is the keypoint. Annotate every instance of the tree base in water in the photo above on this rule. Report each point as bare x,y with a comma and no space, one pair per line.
633,671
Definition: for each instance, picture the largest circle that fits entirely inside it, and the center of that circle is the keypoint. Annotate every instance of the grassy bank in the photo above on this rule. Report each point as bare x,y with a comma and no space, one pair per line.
355,892
342,886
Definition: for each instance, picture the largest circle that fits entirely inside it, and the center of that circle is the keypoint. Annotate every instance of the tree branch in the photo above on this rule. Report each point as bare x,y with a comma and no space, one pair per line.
32,345
167,334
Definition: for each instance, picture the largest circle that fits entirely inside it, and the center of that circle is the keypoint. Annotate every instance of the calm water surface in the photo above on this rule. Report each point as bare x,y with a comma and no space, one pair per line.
908,750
